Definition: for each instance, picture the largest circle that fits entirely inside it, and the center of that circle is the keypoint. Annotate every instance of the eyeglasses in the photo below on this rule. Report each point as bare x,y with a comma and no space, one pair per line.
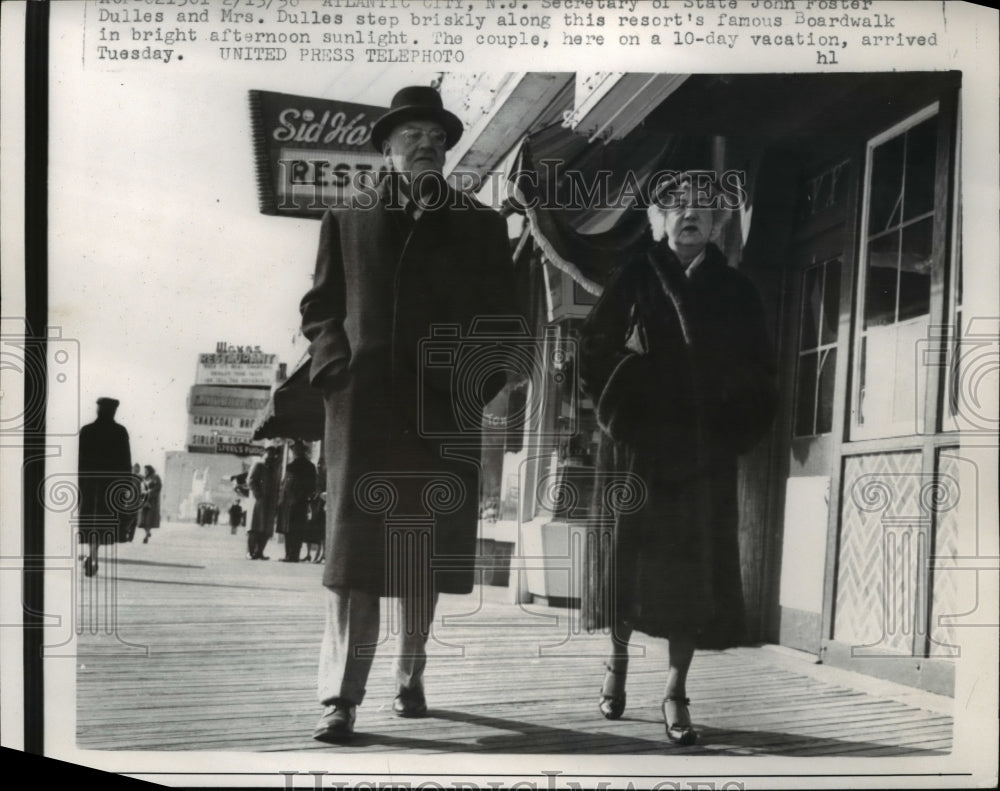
411,136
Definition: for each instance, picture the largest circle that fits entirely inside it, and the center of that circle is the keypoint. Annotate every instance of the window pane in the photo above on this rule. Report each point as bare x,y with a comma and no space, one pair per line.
812,284
915,270
886,185
880,285
824,409
805,395
908,376
831,302
921,151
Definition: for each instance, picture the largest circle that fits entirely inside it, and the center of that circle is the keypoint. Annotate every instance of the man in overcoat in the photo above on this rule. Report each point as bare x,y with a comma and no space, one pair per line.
411,260
297,489
109,494
263,481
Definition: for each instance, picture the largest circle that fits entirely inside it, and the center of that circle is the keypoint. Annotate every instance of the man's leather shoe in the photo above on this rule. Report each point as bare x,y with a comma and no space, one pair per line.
336,724
410,703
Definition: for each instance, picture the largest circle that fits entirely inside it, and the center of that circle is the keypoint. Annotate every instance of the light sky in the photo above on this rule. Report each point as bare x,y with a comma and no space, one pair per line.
157,247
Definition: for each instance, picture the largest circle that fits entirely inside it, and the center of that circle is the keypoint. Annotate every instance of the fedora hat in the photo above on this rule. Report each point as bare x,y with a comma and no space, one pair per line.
416,103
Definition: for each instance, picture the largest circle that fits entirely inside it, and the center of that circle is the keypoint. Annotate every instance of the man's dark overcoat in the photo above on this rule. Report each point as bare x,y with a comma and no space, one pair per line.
382,284
264,480
297,489
109,493
680,367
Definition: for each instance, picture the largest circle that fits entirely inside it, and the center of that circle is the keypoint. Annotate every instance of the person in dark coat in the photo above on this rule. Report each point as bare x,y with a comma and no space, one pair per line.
297,489
263,481
677,359
235,516
149,516
109,495
316,536
133,519
400,277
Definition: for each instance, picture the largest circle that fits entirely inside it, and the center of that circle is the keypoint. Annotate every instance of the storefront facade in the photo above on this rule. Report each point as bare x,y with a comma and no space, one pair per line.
866,529
858,508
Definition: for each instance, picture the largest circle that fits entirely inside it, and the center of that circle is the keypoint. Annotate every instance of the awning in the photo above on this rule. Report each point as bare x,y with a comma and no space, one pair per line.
295,410
585,202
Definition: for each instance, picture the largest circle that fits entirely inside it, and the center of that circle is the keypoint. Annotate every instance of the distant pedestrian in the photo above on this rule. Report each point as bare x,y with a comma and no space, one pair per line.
106,486
316,536
235,516
132,521
263,481
297,488
149,517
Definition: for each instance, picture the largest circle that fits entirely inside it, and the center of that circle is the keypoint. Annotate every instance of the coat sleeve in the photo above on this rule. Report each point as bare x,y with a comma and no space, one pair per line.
256,480
123,452
323,308
614,368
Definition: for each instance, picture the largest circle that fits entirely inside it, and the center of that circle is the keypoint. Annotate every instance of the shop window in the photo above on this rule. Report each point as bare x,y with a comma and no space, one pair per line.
817,361
895,283
576,432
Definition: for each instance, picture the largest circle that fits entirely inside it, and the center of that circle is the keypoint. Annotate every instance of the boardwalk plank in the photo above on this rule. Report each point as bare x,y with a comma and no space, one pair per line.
231,665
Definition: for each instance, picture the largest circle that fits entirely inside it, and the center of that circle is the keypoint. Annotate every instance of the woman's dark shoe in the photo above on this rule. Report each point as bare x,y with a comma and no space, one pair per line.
612,703
410,702
336,724
680,734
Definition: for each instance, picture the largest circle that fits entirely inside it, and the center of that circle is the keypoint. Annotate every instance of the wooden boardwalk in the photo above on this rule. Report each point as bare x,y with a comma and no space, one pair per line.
206,650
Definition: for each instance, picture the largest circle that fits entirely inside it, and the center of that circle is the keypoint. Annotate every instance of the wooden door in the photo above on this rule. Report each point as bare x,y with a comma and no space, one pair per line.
814,350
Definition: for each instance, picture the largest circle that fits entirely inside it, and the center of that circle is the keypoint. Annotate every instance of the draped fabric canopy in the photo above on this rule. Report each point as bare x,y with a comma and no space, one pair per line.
585,204
295,410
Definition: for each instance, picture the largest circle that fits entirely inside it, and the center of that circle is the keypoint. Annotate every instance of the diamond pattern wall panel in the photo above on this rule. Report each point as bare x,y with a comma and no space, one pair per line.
944,591
883,543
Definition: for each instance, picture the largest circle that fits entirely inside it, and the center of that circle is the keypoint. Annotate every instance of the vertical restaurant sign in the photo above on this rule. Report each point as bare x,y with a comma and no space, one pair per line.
310,152
228,401
207,434
221,419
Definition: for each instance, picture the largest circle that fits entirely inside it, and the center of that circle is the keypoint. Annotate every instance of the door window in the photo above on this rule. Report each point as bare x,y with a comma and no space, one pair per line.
895,279
817,363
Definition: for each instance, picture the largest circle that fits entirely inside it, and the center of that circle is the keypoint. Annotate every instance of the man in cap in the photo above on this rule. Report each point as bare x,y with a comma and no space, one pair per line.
264,480
109,494
401,514
297,489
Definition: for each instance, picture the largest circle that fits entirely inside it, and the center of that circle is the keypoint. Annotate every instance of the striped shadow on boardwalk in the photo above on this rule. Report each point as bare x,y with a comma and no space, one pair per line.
183,644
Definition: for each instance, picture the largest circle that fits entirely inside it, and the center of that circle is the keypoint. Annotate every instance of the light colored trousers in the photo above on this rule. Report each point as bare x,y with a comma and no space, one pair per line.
352,635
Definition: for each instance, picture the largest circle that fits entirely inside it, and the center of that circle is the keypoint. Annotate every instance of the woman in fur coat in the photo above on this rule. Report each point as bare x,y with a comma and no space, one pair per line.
677,360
